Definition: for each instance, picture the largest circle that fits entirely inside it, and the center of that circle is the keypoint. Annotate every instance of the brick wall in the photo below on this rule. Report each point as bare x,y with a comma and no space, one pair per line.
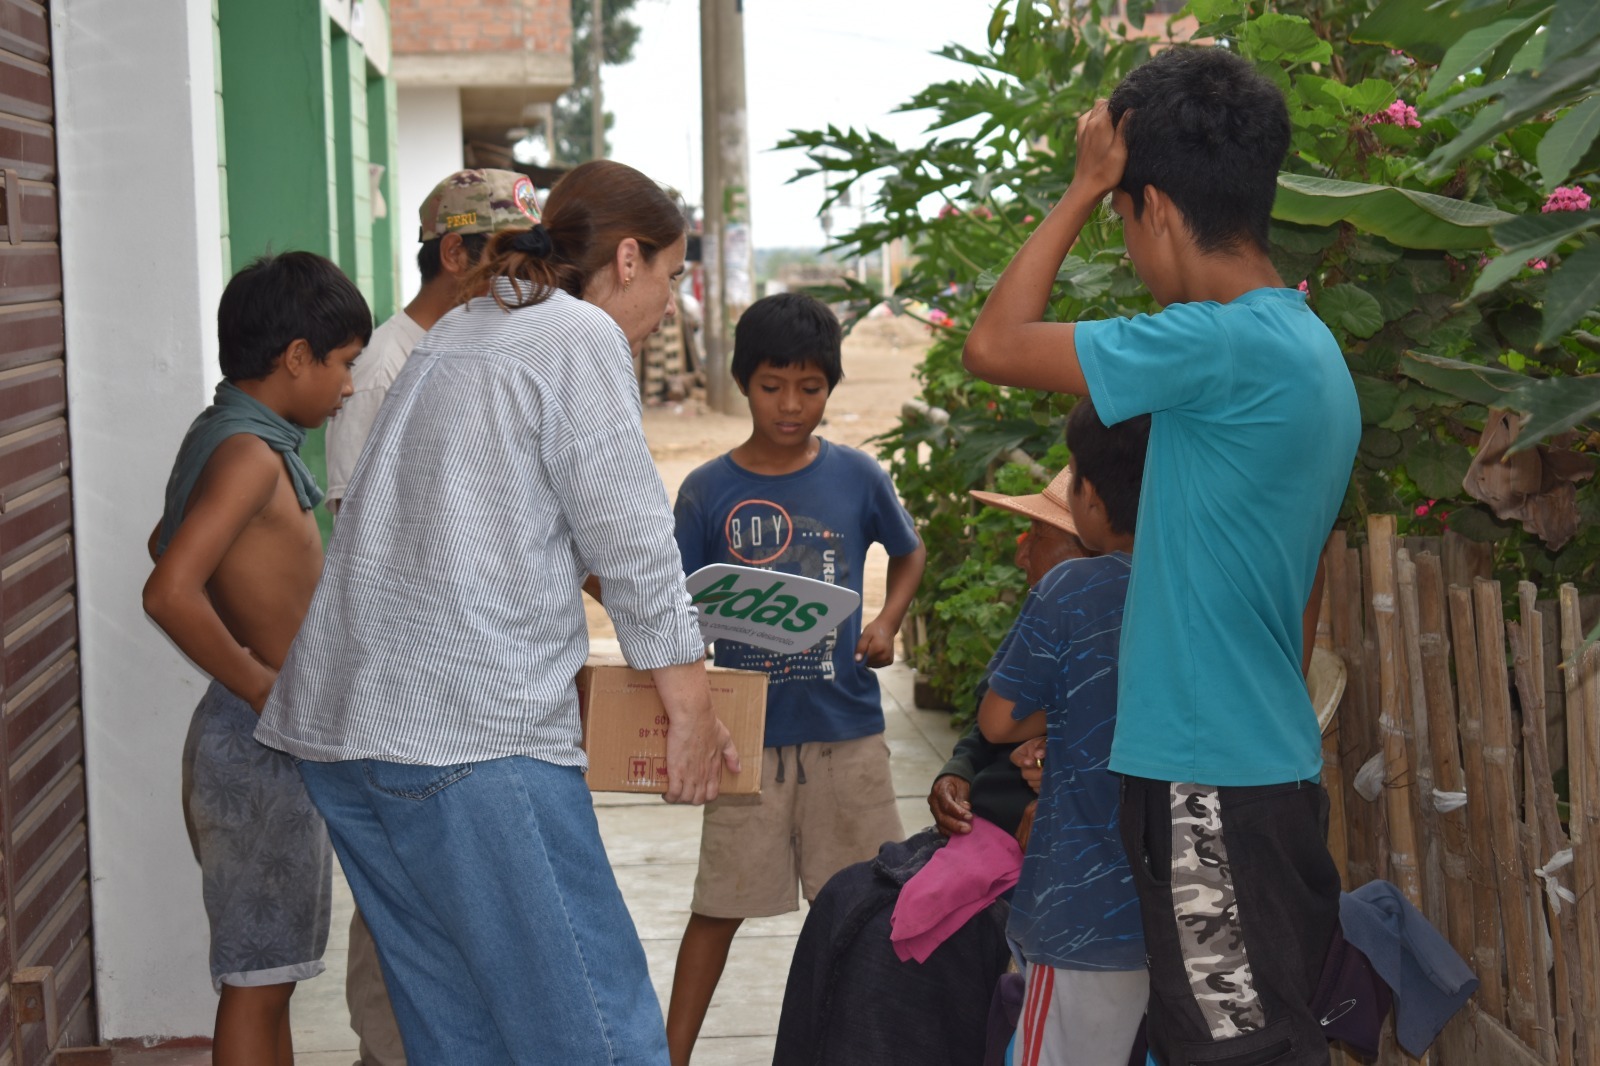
422,27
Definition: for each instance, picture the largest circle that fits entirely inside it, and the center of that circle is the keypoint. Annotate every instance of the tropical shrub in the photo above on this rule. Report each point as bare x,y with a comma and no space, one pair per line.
1435,207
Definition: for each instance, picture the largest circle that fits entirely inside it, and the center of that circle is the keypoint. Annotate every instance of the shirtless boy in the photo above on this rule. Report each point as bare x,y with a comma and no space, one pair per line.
237,556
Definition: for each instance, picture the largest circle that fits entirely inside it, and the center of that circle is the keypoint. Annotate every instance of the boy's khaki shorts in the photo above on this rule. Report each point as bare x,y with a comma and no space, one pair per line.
754,849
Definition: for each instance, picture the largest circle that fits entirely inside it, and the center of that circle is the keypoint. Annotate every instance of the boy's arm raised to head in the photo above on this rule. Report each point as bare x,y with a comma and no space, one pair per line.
236,485
1011,343
876,646
997,725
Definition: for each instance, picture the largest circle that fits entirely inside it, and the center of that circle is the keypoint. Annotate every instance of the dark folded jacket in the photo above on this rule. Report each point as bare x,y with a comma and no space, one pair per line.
851,1002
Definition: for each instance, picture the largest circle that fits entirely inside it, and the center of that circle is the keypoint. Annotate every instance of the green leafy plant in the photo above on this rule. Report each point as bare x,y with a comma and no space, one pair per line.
1433,207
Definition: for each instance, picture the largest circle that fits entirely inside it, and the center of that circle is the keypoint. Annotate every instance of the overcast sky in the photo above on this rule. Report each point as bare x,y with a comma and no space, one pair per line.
808,63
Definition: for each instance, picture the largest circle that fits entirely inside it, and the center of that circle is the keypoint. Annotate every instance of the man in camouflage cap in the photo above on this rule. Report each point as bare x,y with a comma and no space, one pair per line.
457,219
479,201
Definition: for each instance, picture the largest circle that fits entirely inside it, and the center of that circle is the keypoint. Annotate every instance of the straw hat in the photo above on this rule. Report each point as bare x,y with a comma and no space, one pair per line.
1049,506
1326,682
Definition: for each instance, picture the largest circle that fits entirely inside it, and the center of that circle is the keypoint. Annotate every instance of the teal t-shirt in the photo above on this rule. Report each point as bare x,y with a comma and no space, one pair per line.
1254,426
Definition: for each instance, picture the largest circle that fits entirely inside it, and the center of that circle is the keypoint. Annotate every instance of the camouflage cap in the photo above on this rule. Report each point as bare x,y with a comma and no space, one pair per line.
479,201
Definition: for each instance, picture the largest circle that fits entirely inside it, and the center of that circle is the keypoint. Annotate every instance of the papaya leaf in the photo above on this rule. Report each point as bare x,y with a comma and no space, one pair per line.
1284,38
1325,92
1573,291
1405,217
1567,141
1352,309
1370,96
997,24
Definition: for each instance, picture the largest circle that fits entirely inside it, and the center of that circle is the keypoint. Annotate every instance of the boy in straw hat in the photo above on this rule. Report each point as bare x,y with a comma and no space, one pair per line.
1075,913
921,922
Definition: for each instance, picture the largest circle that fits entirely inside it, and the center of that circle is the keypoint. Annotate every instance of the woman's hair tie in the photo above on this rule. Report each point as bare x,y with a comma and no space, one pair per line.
535,242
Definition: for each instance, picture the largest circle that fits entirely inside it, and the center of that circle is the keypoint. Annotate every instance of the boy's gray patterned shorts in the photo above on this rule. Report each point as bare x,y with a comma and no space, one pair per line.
263,849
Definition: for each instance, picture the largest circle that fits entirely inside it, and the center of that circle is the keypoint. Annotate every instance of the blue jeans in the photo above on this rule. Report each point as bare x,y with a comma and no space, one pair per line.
502,933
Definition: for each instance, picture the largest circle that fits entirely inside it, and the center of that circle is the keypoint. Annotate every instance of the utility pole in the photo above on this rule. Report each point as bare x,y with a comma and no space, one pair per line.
597,55
727,250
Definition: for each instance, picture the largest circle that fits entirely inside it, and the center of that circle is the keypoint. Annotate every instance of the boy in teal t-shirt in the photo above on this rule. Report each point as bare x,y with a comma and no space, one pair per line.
1254,426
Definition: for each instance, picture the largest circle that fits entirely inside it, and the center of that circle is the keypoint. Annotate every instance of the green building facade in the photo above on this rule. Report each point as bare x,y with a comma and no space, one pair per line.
306,113
307,110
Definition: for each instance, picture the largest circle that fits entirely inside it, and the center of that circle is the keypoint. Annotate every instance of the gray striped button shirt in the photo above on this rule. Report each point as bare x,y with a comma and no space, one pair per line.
507,462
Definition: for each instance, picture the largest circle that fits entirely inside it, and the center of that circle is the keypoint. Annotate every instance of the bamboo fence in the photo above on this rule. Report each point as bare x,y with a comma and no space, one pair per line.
1469,711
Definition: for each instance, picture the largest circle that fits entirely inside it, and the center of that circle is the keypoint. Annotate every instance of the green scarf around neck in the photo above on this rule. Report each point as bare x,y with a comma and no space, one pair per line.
233,411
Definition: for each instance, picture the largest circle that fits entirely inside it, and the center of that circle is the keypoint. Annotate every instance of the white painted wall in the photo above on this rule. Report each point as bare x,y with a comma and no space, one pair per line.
140,224
429,149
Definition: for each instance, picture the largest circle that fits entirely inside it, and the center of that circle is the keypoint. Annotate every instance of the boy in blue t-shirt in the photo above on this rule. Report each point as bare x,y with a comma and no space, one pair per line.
793,503
1074,913
1254,429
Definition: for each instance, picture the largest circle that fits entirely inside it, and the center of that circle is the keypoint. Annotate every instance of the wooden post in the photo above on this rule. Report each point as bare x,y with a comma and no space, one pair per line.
1499,757
1579,676
1486,953
1344,584
1527,647
1377,826
1397,779
1333,776
1418,749
1444,751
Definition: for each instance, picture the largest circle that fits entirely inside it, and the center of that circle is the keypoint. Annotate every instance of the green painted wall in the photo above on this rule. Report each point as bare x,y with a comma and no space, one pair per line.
278,128
300,115
387,235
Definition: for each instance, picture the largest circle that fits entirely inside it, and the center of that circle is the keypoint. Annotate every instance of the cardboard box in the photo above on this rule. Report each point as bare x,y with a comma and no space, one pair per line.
625,726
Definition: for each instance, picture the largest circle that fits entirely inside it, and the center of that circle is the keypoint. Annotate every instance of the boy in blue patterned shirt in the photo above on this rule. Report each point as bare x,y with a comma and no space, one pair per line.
789,501
1075,913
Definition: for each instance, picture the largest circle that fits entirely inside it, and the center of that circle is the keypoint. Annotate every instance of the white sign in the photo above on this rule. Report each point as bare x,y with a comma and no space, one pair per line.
779,612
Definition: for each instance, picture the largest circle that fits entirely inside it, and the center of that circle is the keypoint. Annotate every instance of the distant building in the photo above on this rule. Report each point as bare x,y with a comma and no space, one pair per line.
470,72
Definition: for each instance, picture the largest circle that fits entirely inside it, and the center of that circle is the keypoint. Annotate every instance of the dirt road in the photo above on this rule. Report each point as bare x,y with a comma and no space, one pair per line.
880,359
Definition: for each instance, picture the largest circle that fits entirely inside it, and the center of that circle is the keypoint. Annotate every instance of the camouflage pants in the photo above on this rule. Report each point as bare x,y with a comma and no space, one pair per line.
1239,899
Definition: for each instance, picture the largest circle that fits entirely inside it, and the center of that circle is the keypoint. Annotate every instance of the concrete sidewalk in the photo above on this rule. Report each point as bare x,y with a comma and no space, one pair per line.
653,849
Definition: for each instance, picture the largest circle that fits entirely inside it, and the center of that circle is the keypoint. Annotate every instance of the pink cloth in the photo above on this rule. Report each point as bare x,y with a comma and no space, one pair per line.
961,879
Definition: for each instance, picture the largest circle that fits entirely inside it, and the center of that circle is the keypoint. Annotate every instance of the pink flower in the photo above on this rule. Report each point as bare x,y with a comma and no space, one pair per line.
1304,286
1422,510
1538,264
1566,198
1027,220
1398,113
938,318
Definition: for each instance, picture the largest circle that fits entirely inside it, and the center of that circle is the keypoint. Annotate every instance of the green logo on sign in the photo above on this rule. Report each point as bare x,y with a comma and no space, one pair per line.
768,606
